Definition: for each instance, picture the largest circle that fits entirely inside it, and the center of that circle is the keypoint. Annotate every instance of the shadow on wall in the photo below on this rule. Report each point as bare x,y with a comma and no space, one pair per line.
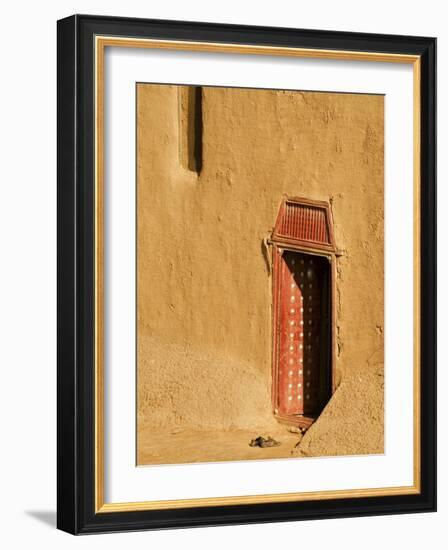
47,517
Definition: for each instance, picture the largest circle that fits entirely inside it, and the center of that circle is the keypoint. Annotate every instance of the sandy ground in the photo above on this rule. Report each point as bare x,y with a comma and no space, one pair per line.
189,446
351,423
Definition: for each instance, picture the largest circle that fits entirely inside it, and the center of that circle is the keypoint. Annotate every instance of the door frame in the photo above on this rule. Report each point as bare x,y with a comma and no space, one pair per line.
278,248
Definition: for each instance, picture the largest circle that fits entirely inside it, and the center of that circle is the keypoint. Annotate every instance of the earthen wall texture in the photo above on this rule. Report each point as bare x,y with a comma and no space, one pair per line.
203,278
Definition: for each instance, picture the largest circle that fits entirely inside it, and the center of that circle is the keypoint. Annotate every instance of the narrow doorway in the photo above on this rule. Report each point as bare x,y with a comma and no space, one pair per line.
303,313
303,378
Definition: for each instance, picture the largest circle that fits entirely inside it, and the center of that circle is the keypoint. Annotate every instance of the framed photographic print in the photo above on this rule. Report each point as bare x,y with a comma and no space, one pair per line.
246,274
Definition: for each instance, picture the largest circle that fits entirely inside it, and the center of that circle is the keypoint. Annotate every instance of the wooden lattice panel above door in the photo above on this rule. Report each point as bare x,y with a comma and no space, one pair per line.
305,223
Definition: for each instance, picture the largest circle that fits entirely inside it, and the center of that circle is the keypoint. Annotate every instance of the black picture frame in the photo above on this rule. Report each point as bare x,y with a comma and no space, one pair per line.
76,225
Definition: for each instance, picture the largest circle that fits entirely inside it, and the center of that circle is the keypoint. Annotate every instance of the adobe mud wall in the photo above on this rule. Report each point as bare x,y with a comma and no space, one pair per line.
203,283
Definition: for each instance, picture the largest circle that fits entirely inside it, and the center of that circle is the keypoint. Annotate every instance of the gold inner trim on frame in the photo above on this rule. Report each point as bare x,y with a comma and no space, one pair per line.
101,42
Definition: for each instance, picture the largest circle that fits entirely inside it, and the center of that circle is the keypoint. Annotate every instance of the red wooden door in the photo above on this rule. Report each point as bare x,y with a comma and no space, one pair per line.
302,342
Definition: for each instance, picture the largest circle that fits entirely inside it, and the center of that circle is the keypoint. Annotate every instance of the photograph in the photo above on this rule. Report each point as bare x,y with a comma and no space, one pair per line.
260,273
221,225
246,301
